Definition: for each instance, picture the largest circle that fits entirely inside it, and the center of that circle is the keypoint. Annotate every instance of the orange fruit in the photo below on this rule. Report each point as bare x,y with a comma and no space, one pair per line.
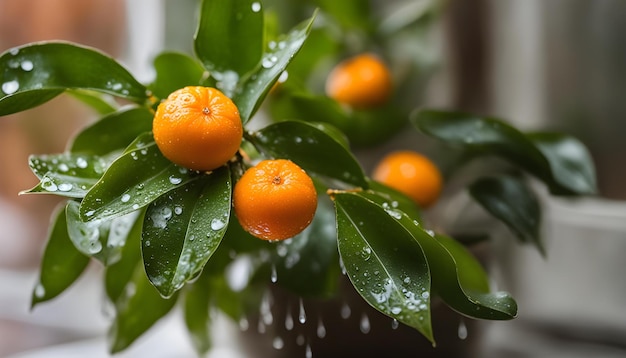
363,81
198,128
412,174
275,200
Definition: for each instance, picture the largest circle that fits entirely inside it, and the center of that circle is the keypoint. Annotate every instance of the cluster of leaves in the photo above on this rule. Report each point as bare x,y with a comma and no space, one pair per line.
166,234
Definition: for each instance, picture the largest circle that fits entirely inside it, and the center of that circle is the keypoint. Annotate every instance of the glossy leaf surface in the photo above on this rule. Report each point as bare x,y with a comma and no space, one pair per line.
173,71
312,149
133,181
510,200
184,228
546,156
61,263
229,39
383,261
252,92
112,132
37,72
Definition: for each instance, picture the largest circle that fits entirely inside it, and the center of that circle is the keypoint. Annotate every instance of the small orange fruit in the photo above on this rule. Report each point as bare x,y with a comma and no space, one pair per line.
275,200
412,174
198,128
363,81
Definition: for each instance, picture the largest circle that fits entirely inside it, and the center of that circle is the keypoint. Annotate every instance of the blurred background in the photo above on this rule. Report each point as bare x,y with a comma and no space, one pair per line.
542,64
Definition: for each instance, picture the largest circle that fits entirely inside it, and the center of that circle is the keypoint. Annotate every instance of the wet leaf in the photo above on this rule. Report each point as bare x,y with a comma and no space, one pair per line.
184,228
570,161
173,71
515,204
311,254
101,103
229,40
118,275
138,308
67,174
384,262
559,161
112,132
133,181
251,93
61,263
35,73
100,239
350,14
312,149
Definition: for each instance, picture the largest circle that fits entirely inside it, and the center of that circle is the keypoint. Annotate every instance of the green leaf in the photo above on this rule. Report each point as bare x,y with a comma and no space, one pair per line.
547,156
183,229
252,92
68,174
101,103
311,254
118,275
35,73
383,261
114,131
174,71
61,263
138,308
510,200
229,40
312,149
197,313
392,199
101,239
570,161
133,181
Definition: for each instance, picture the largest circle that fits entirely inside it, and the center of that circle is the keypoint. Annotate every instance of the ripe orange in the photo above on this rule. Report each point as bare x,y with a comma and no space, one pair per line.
412,174
363,81
275,200
198,128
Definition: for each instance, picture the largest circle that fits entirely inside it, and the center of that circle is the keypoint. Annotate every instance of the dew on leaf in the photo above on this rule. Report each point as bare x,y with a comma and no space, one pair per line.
48,185
40,291
125,198
81,162
256,6
217,224
10,87
175,180
27,65
65,187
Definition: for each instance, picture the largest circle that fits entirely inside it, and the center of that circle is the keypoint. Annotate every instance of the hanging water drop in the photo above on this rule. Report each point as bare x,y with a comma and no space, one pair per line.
40,291
321,329
462,331
308,353
244,324
345,311
302,313
364,325
395,324
288,320
278,343
274,274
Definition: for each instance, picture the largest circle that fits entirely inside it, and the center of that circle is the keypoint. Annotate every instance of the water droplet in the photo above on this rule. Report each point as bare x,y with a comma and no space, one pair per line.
48,184
81,162
321,329
174,180
65,187
396,310
308,353
94,246
288,320
425,295
300,339
261,327
90,213
283,77
302,313
278,343
364,325
178,210
147,243
14,51
27,65
217,224
366,253
125,198
40,291
274,275
10,87
395,324
63,167
345,311
256,6
462,331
